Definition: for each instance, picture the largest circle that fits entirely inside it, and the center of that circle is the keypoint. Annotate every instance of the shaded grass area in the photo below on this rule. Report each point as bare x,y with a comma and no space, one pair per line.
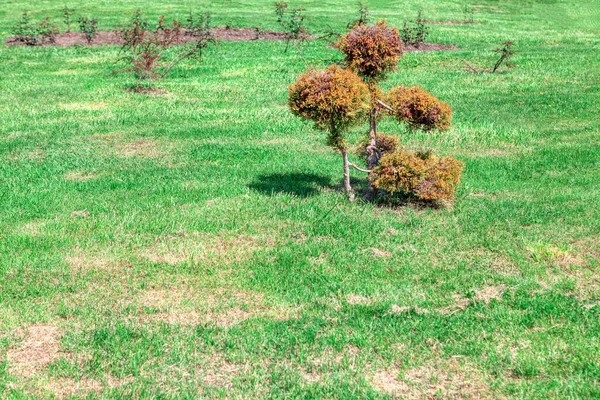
196,243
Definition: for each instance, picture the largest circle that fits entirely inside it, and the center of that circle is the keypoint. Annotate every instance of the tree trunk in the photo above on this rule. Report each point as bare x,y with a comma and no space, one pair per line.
373,153
347,186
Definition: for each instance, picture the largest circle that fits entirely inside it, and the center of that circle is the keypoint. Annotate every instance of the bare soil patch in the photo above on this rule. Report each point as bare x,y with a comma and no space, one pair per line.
450,22
40,348
430,47
110,38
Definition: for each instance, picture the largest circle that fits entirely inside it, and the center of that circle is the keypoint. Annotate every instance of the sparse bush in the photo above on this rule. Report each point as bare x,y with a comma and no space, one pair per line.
335,99
415,33
506,53
32,33
364,16
67,12
421,175
468,14
200,25
89,27
371,50
417,107
151,54
280,11
292,23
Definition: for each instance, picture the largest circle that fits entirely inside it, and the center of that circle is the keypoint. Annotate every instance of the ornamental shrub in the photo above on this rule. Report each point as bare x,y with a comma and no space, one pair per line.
371,50
421,175
417,107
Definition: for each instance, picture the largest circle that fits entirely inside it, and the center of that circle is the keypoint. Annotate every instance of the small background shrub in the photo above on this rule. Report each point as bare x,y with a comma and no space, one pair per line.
151,54
89,27
506,52
34,33
67,12
416,32
364,17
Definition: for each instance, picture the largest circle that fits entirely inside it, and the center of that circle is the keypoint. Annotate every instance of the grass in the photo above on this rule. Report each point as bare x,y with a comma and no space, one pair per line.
196,243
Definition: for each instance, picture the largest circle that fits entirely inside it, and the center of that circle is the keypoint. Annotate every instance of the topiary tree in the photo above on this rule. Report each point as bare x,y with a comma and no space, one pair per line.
335,99
417,107
372,51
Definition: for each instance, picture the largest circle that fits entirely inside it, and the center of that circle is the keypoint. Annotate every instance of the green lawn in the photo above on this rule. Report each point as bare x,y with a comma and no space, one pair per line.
197,243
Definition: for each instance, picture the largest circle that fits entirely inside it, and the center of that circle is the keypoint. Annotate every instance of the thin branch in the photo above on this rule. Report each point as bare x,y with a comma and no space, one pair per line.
471,67
382,104
359,169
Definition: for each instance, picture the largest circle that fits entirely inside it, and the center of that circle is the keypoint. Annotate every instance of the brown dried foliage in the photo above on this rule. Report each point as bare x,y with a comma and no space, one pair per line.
334,99
424,176
419,108
371,50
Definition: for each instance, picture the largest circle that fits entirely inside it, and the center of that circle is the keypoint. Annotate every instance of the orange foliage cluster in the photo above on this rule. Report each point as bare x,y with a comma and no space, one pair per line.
421,175
334,99
371,50
419,108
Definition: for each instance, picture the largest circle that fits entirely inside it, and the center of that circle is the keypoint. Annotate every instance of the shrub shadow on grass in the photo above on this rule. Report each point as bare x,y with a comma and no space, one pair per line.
296,184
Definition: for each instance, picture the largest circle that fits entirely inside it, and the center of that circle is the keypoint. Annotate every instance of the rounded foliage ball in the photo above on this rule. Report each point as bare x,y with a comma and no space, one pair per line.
371,50
422,175
334,98
419,108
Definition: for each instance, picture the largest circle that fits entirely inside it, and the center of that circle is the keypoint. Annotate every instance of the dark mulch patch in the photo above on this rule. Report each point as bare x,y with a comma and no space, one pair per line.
449,22
112,39
430,47
219,33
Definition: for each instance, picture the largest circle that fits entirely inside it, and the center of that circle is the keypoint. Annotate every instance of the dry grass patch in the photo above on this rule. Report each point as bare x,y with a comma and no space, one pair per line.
380,253
80,214
79,176
39,348
220,373
81,261
32,228
448,380
485,294
397,310
91,106
357,299
145,148
66,388
574,266
204,249
222,307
